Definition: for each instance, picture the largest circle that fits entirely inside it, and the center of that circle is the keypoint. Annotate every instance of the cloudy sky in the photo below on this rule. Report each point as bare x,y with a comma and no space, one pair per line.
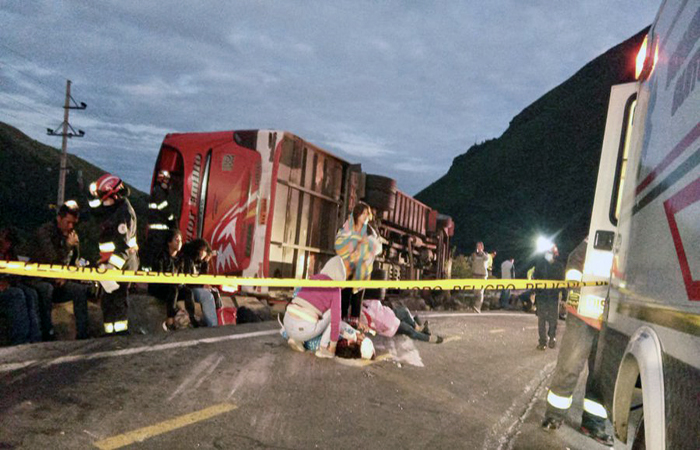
401,87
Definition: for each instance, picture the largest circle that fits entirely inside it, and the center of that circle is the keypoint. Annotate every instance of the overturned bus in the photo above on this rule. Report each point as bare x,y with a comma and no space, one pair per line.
270,204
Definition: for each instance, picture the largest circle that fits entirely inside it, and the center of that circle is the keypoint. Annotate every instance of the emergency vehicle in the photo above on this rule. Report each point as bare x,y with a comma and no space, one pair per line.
270,204
645,238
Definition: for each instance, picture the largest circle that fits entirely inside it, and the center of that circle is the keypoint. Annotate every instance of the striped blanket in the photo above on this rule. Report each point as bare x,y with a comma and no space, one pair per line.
357,249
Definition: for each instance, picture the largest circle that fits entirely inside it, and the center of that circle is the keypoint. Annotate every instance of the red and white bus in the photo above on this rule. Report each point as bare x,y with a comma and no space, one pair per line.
270,204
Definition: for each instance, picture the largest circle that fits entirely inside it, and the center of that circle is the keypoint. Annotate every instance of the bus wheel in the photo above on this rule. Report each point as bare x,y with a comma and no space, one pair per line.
383,201
380,183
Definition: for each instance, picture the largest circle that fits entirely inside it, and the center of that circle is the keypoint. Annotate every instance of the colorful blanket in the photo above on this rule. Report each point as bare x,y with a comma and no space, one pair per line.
357,249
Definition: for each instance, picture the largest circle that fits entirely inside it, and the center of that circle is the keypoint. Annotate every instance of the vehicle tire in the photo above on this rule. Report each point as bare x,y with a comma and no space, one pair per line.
380,200
639,442
380,183
639,439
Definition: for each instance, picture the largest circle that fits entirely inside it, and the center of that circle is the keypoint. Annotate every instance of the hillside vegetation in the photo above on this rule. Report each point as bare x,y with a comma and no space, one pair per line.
29,185
539,176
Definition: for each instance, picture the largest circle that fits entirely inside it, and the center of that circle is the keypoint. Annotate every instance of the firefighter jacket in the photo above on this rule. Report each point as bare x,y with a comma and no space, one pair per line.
50,247
118,246
575,263
161,215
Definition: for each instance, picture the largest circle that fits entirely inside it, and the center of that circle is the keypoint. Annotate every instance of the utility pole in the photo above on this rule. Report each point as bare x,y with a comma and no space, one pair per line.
64,147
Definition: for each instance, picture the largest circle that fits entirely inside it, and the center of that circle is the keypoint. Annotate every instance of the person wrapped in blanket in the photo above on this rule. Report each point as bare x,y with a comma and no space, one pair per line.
316,312
390,322
357,244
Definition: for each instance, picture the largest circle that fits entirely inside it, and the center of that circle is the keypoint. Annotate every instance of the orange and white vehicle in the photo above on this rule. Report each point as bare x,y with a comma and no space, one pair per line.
270,204
645,238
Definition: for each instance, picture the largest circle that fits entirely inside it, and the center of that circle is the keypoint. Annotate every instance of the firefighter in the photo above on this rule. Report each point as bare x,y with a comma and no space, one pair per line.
578,347
161,218
118,247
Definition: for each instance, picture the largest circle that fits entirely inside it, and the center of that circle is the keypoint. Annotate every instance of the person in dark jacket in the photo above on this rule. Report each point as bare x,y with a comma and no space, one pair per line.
17,300
118,247
57,242
548,267
167,260
195,260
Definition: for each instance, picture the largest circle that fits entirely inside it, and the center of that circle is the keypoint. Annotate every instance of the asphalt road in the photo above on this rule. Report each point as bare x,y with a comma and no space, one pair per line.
242,387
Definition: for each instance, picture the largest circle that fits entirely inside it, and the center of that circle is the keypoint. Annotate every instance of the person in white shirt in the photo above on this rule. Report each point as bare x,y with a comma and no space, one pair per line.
507,273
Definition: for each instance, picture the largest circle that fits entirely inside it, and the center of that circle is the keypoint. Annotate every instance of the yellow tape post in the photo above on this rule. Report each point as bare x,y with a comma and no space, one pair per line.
140,276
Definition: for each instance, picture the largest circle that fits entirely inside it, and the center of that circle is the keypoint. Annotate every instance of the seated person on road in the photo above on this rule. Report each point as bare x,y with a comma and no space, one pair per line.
166,260
18,302
195,258
389,322
316,311
57,242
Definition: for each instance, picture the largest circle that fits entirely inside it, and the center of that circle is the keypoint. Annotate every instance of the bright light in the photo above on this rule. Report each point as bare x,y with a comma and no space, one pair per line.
599,263
543,244
641,57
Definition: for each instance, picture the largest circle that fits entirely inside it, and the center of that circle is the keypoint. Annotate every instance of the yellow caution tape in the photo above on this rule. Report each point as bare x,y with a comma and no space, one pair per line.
140,276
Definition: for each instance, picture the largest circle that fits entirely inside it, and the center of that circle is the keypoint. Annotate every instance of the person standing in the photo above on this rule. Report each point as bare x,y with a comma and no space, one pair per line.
118,248
161,219
578,347
479,261
547,300
57,242
507,273
357,245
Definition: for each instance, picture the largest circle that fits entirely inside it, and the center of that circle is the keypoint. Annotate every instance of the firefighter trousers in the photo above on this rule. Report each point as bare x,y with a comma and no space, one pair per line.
578,347
115,305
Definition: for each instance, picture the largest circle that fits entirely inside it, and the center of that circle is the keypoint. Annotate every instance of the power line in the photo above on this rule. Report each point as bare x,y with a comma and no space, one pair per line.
31,61
28,106
22,119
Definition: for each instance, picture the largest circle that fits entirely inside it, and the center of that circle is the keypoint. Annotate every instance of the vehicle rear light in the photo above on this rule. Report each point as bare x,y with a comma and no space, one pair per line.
641,58
644,66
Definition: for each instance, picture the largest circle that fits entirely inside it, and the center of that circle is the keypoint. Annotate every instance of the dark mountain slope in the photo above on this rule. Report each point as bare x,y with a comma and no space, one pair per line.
539,176
29,184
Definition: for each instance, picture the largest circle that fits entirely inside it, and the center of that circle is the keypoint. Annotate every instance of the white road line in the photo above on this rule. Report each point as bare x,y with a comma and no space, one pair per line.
196,372
15,366
475,315
502,432
132,351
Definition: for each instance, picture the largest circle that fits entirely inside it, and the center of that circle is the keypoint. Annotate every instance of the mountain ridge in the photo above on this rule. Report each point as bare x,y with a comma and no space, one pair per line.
539,176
